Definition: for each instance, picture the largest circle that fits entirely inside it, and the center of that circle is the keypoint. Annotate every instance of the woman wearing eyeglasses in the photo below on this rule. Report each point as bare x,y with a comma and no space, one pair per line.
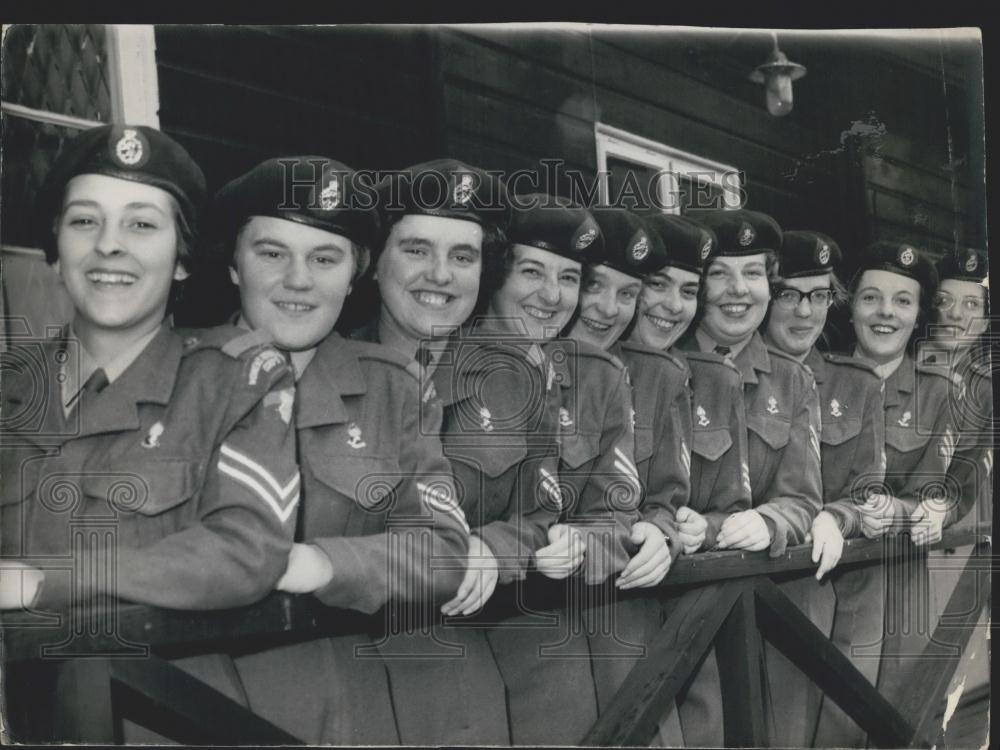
852,443
961,316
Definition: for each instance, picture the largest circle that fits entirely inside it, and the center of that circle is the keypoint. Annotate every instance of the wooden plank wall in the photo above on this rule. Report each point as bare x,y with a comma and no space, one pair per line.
878,144
234,96
875,147
237,95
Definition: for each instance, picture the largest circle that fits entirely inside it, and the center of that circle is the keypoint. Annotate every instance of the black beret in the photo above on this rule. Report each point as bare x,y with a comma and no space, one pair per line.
444,187
313,190
629,245
969,264
807,254
742,232
556,225
688,243
129,152
903,259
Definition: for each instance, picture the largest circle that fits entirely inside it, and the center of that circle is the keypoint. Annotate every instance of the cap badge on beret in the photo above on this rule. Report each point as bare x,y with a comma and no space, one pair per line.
746,235
130,148
329,197
971,263
907,257
463,190
640,249
585,239
706,248
824,254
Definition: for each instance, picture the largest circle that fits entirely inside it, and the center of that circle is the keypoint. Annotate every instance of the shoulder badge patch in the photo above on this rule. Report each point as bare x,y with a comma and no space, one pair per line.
266,360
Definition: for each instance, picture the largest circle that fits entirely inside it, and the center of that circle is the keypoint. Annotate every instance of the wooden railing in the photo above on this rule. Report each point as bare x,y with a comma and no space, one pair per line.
725,599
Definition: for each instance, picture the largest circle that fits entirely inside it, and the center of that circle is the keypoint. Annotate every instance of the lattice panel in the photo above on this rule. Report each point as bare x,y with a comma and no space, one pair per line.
58,68
29,149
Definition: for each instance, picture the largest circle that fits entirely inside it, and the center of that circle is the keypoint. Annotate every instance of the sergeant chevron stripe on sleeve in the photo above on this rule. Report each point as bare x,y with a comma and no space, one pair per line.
243,469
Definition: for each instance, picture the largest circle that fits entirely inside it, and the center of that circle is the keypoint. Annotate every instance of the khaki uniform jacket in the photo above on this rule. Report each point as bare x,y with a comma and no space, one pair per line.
187,460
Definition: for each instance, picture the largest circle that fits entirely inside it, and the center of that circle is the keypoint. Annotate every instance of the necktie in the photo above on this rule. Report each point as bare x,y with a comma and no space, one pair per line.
723,350
96,383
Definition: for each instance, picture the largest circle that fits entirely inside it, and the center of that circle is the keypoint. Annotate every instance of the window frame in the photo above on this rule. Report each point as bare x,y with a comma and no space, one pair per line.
670,161
132,84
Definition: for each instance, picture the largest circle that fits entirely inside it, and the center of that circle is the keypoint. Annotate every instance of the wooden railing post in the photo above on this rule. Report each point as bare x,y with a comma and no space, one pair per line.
785,626
738,651
83,694
632,716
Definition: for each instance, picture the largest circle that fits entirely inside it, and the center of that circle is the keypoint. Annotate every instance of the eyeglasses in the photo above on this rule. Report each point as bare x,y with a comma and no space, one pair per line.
790,298
944,302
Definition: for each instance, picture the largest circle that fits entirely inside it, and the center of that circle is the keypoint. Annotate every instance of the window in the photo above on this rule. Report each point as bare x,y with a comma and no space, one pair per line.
639,173
59,79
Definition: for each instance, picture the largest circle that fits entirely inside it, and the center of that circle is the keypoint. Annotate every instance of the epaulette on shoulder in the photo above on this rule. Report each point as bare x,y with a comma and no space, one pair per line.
232,341
950,375
648,351
847,360
782,355
584,349
980,368
711,358
367,350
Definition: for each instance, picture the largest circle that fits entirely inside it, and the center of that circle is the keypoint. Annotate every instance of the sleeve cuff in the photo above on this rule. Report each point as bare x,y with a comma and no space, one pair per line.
778,528
512,560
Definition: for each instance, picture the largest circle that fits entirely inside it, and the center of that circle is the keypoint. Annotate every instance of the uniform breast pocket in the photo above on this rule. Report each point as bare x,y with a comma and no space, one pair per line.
579,448
905,440
144,487
354,496
493,458
711,444
841,431
774,432
643,444
150,499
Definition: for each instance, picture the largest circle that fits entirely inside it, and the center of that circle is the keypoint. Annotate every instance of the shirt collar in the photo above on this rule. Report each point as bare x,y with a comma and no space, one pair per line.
334,372
707,344
80,365
886,370
816,363
752,358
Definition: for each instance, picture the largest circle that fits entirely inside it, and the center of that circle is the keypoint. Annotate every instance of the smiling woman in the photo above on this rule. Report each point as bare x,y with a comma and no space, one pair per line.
367,446
117,250
293,279
428,276
131,402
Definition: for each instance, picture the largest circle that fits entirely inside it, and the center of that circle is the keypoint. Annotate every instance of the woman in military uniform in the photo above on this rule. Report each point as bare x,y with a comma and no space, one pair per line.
175,436
779,393
958,344
378,495
427,275
891,295
594,489
780,396
852,444
719,476
618,630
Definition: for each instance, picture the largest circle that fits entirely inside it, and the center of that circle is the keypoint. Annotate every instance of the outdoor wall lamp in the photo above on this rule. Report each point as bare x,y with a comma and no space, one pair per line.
777,75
